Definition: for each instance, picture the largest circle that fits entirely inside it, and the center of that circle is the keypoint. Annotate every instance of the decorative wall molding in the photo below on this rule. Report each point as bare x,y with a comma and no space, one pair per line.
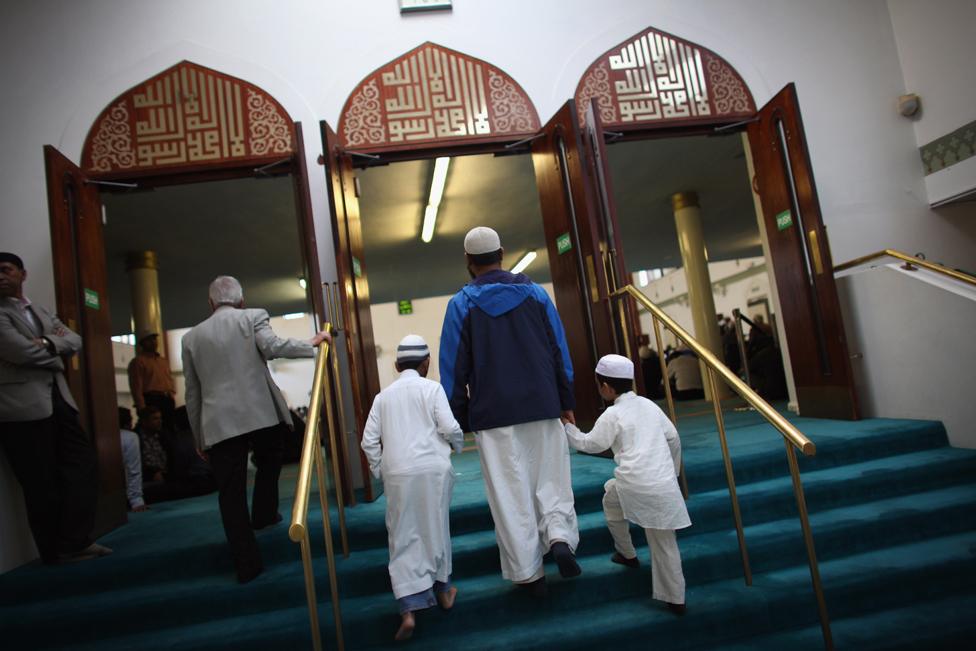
434,95
654,77
187,116
950,149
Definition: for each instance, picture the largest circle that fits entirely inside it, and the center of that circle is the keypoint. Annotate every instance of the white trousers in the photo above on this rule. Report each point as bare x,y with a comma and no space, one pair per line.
530,493
668,582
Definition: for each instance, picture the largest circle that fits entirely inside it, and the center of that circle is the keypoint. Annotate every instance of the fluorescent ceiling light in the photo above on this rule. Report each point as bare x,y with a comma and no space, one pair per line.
642,279
293,315
436,194
524,262
302,283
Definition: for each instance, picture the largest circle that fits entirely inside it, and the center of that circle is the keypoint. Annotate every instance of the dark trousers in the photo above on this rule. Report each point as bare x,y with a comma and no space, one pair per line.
229,462
54,461
166,406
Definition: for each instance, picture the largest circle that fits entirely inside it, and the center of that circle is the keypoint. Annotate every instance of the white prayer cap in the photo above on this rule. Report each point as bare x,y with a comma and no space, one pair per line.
412,348
616,366
481,239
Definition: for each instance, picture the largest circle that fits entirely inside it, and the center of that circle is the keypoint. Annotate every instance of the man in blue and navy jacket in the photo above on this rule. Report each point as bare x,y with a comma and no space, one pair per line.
505,366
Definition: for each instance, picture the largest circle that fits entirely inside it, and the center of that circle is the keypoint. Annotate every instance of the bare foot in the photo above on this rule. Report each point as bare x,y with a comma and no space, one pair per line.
406,628
446,599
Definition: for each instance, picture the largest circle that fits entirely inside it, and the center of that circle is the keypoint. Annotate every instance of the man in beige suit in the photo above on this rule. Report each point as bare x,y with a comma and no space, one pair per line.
233,405
51,455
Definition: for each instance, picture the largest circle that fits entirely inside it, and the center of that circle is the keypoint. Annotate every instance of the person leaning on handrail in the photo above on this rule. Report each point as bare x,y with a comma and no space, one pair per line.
234,404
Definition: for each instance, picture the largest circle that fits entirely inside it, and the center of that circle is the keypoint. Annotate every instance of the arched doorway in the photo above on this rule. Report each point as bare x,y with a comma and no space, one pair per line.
186,125
655,86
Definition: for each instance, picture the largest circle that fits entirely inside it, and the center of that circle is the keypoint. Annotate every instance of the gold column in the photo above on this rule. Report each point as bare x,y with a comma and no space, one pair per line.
694,259
144,291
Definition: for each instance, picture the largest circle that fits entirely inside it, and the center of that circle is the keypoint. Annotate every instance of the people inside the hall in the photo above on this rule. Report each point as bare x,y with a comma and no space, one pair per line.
408,440
644,490
234,405
167,474
765,362
684,373
131,461
150,378
730,346
51,455
505,367
651,370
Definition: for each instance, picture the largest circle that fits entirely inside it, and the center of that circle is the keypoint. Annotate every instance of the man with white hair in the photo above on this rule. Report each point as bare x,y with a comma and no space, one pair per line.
412,421
505,366
233,404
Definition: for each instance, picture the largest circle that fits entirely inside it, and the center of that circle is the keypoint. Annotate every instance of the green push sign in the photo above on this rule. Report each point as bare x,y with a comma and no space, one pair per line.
405,307
357,268
784,220
563,243
91,299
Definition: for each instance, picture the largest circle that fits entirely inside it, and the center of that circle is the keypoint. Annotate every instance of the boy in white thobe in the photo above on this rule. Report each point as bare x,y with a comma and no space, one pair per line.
647,451
412,420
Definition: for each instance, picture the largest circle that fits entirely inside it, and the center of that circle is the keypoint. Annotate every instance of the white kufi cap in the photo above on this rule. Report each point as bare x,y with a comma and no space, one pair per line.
481,239
412,348
616,366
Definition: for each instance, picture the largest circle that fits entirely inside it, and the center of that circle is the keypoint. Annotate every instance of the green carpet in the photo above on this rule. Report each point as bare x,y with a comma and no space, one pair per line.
893,511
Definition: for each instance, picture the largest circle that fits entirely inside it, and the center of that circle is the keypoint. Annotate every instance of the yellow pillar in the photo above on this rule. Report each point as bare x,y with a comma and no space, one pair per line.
694,259
144,291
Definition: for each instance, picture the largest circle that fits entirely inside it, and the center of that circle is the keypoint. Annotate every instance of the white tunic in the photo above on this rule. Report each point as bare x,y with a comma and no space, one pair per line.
412,420
647,451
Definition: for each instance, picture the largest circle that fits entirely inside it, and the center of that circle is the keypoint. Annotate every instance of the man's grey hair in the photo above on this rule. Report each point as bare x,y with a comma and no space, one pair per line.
226,290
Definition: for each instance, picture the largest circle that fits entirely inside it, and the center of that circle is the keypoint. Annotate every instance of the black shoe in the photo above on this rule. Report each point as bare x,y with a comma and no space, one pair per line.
678,609
563,555
249,574
258,526
536,589
623,560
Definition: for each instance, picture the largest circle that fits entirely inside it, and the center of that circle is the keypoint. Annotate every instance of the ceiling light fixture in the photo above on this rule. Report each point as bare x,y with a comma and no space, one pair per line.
524,262
436,193
642,278
293,315
302,283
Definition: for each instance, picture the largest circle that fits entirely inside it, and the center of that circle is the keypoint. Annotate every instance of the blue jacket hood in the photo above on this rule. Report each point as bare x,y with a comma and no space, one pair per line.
498,292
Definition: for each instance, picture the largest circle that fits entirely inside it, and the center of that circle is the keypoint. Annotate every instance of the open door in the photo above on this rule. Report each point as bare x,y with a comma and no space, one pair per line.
353,289
801,260
81,287
577,251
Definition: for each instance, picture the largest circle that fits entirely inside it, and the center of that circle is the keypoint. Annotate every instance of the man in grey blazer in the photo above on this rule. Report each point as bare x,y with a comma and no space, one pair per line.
51,455
233,405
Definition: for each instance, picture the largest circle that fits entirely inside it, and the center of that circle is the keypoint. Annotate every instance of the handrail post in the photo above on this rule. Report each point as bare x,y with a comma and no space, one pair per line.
741,343
730,477
682,480
313,612
335,461
801,506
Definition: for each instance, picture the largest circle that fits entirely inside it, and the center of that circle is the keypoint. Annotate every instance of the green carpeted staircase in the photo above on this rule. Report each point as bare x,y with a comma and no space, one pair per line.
893,512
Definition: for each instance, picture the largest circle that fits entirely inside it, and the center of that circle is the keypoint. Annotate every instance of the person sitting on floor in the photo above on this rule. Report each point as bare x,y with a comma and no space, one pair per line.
644,490
412,421
684,373
131,461
163,476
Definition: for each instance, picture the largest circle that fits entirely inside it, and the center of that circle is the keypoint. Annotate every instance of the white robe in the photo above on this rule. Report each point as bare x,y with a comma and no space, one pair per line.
412,421
647,451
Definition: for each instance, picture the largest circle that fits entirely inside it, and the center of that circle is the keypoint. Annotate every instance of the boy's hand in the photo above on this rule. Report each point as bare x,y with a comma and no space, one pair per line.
568,417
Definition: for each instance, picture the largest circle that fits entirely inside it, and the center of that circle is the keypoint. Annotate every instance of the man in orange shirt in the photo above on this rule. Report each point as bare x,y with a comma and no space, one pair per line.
150,380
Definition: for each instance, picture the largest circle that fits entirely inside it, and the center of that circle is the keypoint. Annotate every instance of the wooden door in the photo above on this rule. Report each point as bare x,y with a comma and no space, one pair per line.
801,261
353,288
81,289
570,210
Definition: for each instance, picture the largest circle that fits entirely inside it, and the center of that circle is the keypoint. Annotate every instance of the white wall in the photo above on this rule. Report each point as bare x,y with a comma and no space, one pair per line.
62,62
935,47
913,357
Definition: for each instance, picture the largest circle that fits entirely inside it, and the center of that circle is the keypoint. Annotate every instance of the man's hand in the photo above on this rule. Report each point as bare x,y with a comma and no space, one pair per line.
203,455
320,337
568,417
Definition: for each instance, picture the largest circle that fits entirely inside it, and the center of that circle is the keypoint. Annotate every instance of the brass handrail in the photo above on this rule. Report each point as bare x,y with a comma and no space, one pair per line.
911,260
793,438
298,530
